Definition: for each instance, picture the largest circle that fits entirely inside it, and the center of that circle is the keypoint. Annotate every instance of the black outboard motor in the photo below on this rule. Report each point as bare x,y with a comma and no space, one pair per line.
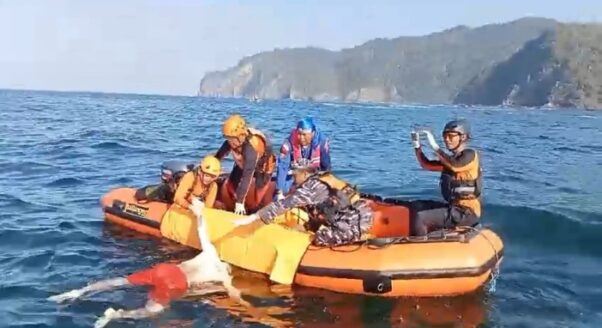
174,171
171,174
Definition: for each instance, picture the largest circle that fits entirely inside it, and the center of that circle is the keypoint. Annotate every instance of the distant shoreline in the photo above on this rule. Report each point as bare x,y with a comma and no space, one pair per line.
94,92
392,105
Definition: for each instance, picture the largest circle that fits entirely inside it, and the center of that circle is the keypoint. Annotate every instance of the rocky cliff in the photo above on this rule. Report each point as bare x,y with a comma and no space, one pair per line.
560,68
528,62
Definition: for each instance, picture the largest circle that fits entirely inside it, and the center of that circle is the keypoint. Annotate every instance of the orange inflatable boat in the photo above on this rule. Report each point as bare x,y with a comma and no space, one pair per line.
391,264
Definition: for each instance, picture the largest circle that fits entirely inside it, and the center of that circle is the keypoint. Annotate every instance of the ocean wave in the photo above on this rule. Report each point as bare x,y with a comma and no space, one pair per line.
122,146
26,166
12,204
65,182
584,150
548,231
110,145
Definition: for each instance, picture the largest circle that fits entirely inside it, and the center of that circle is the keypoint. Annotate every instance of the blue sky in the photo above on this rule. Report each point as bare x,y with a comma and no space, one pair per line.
165,47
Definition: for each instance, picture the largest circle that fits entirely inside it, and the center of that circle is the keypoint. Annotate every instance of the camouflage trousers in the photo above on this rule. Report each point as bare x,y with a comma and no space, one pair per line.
346,228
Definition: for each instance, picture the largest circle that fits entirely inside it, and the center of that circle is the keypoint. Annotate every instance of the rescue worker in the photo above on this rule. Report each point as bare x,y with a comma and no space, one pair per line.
460,181
171,174
336,213
253,158
199,183
305,141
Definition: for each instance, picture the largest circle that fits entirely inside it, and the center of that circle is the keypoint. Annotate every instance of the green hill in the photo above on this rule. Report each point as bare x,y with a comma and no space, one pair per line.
527,62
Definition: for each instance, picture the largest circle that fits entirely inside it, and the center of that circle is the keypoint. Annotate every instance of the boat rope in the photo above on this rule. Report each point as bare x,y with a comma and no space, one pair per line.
497,255
495,270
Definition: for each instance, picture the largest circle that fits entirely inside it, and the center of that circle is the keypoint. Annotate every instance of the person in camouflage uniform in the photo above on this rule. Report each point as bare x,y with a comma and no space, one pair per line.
336,213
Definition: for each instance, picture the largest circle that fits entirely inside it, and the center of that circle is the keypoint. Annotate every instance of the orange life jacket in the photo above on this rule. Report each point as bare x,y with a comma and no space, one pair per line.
464,187
266,159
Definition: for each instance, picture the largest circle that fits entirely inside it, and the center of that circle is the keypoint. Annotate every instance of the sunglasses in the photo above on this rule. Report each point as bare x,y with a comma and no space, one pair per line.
451,135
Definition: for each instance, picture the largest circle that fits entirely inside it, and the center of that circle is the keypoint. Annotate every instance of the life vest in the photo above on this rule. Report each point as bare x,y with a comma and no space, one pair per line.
190,191
457,186
315,155
266,162
342,196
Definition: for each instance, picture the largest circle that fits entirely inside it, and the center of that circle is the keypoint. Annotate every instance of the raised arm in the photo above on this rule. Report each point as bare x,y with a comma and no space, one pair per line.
426,163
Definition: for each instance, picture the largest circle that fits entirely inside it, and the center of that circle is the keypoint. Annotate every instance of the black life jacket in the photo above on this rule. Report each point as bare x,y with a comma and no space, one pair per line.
462,185
342,196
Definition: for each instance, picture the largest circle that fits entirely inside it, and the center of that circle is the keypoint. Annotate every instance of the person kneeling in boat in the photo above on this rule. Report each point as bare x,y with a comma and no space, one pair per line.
253,157
199,183
201,275
342,217
460,181
171,174
305,141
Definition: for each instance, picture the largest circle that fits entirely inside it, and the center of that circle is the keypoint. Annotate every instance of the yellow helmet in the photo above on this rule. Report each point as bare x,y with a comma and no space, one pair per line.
234,126
211,165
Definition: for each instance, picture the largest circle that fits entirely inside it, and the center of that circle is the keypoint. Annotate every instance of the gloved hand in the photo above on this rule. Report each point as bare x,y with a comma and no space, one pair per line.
246,220
70,295
197,207
415,139
239,208
279,196
431,140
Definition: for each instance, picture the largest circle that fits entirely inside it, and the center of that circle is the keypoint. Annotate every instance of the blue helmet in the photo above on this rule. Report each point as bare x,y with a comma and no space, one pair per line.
306,123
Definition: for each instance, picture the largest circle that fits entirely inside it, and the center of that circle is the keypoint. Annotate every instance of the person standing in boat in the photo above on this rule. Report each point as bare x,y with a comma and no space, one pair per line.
199,183
254,158
460,181
305,141
336,213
